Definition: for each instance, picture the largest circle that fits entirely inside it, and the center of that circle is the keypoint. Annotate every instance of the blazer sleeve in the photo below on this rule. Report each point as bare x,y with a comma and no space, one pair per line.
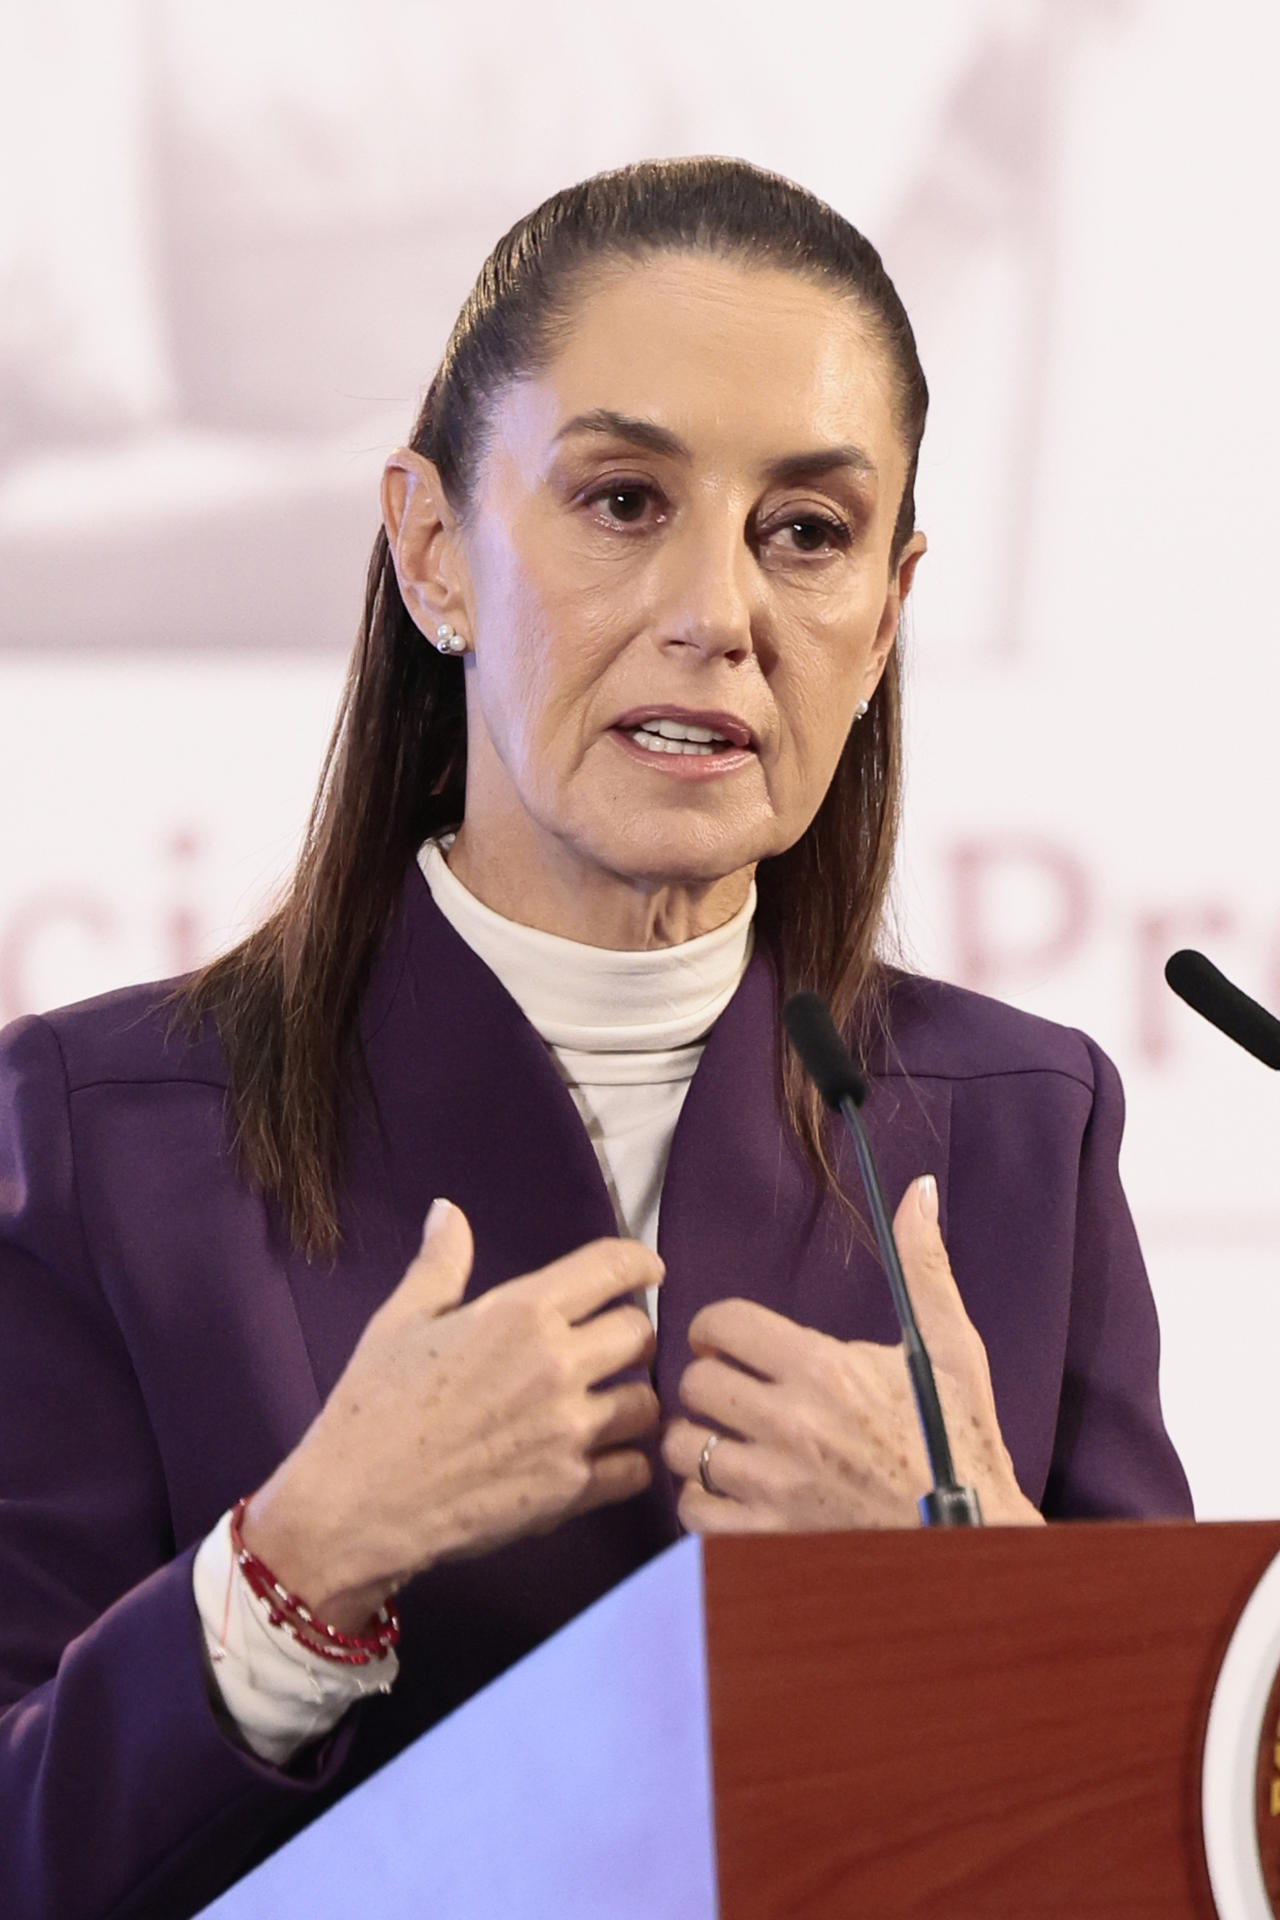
1112,1457
119,1793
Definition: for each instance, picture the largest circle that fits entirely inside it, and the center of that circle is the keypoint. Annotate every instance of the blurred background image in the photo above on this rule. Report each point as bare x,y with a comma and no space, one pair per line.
232,243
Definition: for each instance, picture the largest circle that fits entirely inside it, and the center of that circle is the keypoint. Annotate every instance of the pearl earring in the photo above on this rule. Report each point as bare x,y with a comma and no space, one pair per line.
447,641
860,711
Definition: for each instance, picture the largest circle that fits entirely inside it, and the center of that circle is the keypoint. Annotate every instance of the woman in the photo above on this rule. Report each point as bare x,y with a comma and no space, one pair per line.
617,769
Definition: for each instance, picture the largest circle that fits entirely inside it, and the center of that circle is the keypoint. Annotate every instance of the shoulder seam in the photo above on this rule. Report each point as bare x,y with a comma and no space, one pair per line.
86,1256
981,1073
146,1080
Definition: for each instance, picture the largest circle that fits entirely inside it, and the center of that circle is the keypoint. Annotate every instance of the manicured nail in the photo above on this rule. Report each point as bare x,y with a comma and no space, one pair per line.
927,1197
437,1213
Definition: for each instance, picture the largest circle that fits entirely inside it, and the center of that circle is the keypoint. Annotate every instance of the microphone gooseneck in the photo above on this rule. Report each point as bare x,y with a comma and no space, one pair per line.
826,1060
1210,994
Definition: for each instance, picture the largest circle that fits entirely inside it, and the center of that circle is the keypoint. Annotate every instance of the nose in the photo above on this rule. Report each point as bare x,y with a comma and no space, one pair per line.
708,596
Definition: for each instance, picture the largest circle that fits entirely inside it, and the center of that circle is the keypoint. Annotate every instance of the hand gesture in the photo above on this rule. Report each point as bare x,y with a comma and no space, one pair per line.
455,1429
818,1434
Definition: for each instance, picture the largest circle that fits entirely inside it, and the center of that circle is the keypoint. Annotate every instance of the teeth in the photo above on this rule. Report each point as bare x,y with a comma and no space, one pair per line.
656,743
678,730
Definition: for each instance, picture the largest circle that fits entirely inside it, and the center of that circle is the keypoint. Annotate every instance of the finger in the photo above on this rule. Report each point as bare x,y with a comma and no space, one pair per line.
724,1396
625,1413
593,1276
744,1331
948,1331
682,1449
620,1337
617,1475
436,1278
702,1512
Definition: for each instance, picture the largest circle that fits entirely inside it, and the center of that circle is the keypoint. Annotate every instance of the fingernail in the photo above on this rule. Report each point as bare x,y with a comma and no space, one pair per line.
437,1213
927,1197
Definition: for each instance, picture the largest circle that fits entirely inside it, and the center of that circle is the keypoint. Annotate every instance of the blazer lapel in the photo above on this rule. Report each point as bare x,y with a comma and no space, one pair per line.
741,1212
462,1101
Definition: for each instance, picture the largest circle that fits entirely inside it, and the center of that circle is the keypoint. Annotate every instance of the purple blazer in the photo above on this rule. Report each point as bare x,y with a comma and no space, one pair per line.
162,1347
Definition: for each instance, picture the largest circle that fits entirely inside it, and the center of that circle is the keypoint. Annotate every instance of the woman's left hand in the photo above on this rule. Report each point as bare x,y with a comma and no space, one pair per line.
820,1434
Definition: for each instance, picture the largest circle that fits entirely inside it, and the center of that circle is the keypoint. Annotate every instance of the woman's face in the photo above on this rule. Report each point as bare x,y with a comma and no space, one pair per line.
675,574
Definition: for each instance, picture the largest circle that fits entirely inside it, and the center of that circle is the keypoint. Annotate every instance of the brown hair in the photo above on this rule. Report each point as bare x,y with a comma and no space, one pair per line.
286,1000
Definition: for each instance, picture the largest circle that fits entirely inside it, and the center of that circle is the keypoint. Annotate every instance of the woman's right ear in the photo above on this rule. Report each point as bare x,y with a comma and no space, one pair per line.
422,535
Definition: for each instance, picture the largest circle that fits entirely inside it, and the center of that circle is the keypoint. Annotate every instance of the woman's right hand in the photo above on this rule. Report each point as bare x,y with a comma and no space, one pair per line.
454,1429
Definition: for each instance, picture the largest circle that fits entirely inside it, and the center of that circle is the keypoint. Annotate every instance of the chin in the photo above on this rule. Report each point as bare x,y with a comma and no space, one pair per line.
689,853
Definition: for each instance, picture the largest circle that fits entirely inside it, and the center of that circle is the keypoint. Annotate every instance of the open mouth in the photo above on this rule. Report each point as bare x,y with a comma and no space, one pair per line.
678,736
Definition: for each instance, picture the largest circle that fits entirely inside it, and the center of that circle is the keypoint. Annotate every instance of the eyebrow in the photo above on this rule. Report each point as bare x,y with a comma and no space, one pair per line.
605,422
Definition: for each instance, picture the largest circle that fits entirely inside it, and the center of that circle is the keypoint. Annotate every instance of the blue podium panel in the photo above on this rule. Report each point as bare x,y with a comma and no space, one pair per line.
579,1784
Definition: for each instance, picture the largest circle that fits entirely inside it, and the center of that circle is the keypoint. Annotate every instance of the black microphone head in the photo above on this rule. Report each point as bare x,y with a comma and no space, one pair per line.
1198,982
823,1054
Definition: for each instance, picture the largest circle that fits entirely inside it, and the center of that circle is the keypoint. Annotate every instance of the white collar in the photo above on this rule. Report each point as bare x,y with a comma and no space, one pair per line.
596,999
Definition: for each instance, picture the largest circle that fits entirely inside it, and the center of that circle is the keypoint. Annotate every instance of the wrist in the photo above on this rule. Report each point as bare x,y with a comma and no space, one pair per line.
304,1553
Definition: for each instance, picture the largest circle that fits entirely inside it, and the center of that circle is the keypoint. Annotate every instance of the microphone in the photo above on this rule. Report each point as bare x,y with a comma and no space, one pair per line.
1198,982
825,1059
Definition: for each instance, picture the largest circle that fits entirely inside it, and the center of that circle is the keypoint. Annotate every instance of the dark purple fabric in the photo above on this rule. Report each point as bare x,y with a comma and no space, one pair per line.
161,1348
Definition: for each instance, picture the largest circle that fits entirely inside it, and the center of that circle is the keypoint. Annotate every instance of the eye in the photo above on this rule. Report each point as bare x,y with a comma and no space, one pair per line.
810,533
625,503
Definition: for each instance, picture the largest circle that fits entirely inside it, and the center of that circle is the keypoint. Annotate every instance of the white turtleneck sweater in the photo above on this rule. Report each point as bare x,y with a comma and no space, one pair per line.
626,1031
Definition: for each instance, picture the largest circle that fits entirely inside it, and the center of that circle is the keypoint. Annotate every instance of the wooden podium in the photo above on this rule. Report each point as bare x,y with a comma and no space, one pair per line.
972,1724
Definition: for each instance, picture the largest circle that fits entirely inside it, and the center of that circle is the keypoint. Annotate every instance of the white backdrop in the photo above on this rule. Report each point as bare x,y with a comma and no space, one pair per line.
239,237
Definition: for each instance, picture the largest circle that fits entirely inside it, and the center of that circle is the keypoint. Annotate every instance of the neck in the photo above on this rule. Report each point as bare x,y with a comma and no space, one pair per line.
573,898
